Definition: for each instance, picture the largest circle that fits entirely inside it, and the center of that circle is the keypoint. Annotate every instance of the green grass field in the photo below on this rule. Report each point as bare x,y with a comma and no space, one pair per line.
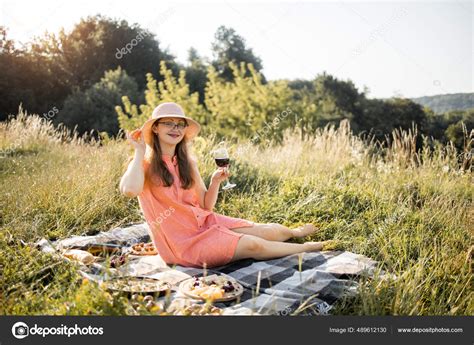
411,212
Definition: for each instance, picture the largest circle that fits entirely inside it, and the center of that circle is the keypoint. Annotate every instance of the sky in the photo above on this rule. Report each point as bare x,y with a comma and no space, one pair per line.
408,49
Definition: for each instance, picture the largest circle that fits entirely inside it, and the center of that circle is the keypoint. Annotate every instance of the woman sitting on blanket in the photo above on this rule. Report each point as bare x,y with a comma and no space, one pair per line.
178,207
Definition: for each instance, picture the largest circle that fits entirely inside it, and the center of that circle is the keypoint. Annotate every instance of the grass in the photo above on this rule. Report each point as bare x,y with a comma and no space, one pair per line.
411,211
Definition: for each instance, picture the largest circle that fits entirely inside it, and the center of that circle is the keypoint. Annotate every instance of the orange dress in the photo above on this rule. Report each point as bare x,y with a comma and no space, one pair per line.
182,231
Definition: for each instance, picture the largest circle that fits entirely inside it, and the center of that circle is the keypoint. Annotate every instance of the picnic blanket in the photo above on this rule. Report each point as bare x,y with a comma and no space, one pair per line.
308,283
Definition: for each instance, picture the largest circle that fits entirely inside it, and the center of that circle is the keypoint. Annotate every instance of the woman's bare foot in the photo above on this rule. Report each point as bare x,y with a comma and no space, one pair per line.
314,246
304,230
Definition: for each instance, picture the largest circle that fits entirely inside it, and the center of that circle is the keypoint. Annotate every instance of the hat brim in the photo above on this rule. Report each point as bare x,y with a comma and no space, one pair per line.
191,131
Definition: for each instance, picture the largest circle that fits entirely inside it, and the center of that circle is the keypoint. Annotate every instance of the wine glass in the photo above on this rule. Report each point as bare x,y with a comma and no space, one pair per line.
221,156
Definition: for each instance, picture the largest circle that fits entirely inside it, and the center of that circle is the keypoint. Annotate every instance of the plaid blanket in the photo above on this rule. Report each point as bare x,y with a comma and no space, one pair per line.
306,283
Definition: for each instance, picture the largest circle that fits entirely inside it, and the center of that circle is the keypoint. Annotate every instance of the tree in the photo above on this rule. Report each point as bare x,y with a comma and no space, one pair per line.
301,84
196,73
309,113
337,99
459,133
246,107
324,100
94,108
449,126
25,80
228,47
97,44
42,74
171,89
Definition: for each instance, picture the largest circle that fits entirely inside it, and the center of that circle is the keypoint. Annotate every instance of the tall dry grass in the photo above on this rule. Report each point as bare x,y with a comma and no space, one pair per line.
409,209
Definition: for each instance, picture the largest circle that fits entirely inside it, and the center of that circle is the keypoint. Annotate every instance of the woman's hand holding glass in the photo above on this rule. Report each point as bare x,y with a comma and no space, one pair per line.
221,157
220,175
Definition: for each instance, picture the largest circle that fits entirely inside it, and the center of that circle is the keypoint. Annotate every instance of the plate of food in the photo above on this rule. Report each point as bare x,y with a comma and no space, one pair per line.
118,260
217,288
196,309
143,249
99,249
137,285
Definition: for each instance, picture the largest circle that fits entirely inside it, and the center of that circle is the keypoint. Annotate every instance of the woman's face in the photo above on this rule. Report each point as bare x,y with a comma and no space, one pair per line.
167,130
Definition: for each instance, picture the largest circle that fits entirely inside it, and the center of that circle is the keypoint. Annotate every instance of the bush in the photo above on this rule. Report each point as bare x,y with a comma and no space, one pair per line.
94,108
170,89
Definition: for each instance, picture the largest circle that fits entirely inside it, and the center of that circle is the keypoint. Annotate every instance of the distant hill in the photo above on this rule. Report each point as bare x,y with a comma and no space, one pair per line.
443,103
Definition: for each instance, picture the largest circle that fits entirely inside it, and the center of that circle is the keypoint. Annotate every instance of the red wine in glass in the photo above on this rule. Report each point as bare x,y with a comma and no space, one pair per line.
222,162
222,159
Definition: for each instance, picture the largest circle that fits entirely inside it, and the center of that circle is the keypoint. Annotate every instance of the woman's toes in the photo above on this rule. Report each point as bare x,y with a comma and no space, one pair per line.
304,230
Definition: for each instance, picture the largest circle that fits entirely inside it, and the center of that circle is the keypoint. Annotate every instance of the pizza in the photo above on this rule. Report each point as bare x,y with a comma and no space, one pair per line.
143,249
214,287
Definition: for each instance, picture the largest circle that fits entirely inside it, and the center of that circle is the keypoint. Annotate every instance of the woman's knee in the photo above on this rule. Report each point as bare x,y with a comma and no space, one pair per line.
249,245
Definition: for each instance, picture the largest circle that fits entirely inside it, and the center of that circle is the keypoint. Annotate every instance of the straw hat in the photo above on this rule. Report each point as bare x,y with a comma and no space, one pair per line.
169,109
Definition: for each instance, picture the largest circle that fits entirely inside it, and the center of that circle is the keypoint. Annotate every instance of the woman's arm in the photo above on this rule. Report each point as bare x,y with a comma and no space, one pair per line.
200,186
211,195
131,183
208,197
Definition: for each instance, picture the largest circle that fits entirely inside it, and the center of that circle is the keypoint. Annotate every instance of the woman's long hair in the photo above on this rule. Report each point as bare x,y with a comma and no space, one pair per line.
158,166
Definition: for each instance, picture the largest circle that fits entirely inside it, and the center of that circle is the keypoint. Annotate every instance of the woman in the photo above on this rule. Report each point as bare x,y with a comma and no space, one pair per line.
179,208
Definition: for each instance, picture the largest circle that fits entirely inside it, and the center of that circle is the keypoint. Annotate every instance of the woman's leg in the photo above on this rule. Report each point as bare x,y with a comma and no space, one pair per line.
276,232
250,246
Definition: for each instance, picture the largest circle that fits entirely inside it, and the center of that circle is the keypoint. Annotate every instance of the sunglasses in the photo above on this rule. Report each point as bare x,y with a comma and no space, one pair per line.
173,125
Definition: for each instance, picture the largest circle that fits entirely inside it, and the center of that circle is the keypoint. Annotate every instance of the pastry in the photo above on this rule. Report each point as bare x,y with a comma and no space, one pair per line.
79,255
143,249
